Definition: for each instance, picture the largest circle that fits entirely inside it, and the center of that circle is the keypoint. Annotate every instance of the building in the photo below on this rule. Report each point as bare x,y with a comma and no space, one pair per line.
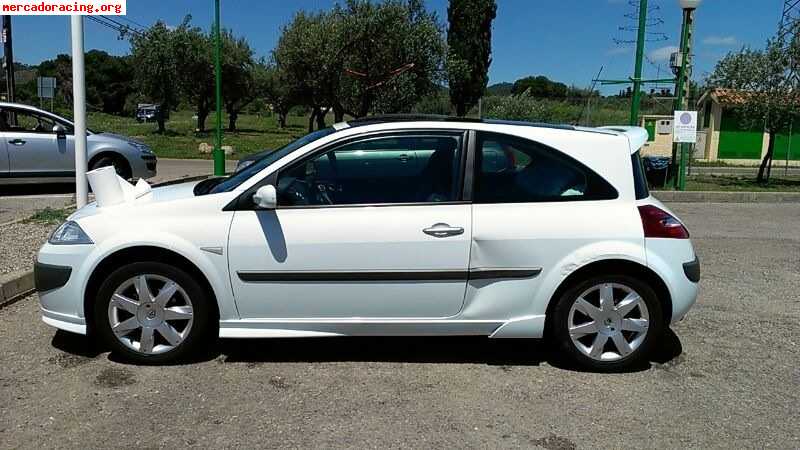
730,140
659,137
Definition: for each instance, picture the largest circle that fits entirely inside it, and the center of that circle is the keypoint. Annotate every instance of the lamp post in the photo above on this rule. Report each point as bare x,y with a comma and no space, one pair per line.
681,86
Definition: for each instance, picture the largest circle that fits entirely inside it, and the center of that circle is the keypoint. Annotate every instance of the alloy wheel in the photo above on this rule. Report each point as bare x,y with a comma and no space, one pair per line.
150,314
608,322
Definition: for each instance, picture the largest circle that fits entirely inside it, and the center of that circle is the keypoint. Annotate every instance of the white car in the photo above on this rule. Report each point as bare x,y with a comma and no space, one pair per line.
392,227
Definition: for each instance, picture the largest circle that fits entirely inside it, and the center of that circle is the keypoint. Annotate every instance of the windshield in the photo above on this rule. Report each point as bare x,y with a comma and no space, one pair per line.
240,177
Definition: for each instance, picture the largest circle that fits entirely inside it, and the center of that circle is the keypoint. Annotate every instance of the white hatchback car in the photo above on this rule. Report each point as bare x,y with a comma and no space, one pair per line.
397,226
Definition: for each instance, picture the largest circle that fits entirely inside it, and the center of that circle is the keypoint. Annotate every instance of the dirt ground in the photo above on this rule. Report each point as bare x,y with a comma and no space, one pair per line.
728,377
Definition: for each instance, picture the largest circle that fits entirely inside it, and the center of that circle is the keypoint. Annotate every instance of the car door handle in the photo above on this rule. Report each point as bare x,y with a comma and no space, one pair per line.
403,158
442,230
17,142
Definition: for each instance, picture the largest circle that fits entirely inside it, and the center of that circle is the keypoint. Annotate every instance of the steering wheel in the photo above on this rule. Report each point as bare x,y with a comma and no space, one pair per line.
301,192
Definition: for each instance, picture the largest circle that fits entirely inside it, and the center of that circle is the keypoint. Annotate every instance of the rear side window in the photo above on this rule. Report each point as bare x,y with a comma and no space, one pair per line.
515,170
639,179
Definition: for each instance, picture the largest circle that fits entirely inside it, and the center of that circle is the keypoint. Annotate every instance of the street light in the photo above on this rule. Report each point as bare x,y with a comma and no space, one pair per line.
689,4
681,97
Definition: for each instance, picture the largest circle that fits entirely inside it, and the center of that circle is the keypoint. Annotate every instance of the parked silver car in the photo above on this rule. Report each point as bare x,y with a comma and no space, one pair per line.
39,146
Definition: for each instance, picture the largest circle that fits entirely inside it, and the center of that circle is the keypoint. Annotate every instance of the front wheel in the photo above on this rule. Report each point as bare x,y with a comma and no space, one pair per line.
152,313
608,323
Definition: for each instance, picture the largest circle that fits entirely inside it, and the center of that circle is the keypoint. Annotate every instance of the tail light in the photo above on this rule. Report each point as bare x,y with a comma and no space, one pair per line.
658,223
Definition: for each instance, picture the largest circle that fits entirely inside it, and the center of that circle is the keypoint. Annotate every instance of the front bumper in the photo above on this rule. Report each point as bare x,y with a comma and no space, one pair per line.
60,274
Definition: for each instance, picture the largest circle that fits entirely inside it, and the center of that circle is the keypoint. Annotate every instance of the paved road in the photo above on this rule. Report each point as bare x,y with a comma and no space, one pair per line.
728,378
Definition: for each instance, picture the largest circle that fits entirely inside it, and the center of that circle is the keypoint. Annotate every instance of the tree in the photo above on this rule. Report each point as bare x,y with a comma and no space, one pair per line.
469,39
276,90
240,74
768,91
308,58
195,69
540,87
153,54
393,55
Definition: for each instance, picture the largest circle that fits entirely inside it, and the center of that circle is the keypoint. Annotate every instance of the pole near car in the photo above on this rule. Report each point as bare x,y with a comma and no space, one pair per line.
681,87
79,106
219,156
637,75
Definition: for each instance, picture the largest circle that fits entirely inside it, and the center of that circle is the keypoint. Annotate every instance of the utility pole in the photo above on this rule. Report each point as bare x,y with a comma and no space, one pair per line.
219,155
641,40
8,58
637,74
79,106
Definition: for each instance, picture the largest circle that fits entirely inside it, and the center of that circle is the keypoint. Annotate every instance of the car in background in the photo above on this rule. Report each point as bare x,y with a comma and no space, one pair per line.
39,146
400,226
250,159
148,112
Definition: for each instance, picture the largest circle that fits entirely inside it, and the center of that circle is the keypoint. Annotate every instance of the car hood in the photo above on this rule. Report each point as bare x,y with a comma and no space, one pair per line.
157,195
113,136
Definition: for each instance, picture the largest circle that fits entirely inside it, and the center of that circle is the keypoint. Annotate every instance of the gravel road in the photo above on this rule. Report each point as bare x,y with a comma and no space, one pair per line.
19,243
729,376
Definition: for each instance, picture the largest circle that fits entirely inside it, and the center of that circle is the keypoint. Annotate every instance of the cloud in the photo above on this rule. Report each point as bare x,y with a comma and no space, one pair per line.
720,40
662,54
619,51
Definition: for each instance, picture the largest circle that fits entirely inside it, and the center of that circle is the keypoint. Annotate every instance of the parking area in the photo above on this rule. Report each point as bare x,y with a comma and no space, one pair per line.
728,377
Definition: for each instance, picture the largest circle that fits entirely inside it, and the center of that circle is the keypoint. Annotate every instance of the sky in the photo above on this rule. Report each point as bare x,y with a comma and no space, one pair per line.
565,40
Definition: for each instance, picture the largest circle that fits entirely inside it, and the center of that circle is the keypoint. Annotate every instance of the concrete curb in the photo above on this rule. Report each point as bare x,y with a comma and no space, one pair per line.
727,197
15,286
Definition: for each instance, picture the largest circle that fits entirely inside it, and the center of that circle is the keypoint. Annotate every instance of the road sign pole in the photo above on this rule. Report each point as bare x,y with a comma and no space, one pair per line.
681,96
219,156
79,106
637,75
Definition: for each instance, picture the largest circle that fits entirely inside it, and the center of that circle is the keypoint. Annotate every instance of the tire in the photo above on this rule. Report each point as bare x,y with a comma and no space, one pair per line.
180,321
607,338
120,165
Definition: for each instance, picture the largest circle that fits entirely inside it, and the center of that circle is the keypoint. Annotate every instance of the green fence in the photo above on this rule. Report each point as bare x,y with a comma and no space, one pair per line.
736,141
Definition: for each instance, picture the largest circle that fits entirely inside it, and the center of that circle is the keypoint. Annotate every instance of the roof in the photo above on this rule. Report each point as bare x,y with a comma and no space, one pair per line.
389,118
725,97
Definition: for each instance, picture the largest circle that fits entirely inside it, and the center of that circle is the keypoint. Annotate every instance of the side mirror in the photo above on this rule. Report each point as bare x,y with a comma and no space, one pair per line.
59,131
266,197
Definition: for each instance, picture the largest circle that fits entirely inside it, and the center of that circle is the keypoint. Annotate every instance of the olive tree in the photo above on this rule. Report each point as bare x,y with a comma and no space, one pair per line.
155,66
769,95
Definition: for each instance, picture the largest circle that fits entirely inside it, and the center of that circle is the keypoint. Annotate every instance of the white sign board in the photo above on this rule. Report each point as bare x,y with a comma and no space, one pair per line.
46,87
684,127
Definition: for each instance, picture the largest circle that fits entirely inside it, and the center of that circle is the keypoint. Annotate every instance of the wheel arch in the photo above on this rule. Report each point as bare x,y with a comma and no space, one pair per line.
614,266
111,153
142,254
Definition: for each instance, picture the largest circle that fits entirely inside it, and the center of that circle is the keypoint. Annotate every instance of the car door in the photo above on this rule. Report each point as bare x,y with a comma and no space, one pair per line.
345,242
34,148
534,208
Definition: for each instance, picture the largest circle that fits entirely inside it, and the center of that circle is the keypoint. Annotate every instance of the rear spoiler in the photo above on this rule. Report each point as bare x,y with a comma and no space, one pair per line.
637,136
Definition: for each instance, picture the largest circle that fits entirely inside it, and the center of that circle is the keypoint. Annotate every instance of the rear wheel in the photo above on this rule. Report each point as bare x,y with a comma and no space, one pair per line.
119,164
608,323
151,312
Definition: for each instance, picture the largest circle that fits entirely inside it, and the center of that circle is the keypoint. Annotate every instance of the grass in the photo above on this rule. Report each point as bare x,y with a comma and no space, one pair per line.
744,184
256,133
48,216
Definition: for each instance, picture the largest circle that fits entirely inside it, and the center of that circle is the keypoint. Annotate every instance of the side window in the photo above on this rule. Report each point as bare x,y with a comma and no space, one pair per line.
25,122
401,169
515,170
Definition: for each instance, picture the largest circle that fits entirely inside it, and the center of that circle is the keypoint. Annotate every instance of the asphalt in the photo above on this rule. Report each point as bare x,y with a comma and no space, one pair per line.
727,377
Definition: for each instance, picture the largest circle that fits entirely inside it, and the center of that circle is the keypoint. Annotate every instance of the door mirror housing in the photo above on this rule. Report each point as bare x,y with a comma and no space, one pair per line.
266,197
59,131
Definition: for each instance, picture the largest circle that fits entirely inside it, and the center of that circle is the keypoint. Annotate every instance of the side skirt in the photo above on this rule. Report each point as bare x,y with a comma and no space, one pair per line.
528,327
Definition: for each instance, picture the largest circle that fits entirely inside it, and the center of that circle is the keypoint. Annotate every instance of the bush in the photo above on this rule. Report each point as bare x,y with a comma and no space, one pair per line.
516,107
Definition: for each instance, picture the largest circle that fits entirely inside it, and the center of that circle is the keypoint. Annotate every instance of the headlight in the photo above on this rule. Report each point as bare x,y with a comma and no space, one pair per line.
141,147
69,233
243,164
